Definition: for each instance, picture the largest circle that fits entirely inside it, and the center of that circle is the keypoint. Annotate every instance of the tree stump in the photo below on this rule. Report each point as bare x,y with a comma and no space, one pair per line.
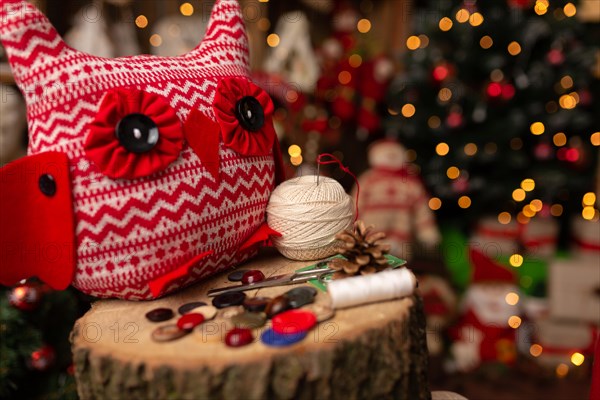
372,351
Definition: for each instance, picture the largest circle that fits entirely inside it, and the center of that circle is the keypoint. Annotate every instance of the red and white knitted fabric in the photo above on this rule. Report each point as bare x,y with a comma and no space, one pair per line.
130,232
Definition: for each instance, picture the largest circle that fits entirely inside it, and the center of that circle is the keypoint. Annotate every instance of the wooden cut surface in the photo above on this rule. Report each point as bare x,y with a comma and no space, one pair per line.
116,333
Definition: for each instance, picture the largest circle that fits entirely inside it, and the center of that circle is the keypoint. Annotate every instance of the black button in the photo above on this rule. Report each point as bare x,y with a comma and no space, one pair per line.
47,185
236,276
250,114
159,314
137,133
186,308
229,299
300,296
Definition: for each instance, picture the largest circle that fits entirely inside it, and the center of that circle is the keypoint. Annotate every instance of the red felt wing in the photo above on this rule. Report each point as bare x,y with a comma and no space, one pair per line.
262,234
158,285
37,231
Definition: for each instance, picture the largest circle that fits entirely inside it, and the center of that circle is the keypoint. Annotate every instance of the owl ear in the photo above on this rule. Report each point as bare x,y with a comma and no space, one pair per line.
225,35
30,41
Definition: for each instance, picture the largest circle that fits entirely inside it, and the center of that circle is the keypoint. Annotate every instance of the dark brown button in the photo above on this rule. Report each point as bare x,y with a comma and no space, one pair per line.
277,305
300,296
159,314
229,299
186,308
167,333
236,276
303,289
256,304
250,320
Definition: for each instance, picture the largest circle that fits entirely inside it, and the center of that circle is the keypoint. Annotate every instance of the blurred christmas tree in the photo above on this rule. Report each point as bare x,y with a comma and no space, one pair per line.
35,354
497,102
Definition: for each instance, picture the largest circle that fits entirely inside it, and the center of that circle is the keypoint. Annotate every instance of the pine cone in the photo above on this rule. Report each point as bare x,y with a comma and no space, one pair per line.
363,249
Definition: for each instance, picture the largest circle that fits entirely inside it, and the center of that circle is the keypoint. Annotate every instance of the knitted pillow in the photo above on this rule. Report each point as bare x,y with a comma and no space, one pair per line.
144,173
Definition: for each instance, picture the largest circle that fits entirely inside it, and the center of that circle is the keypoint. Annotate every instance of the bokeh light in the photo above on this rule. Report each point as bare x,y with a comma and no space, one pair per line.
518,195
452,172
156,40
486,42
408,110
445,24
516,260
514,48
273,40
442,149
537,128
141,21
504,218
559,139
536,350
577,359
435,203
363,25
464,202
511,298
186,9
514,321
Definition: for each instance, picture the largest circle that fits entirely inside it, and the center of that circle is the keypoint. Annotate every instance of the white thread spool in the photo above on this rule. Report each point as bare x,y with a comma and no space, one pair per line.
309,215
381,286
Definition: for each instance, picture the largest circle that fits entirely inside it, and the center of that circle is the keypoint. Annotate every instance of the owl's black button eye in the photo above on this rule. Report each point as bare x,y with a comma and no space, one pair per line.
250,114
47,185
137,133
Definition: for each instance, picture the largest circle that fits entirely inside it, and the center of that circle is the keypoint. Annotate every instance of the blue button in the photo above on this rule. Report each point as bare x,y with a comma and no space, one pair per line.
272,338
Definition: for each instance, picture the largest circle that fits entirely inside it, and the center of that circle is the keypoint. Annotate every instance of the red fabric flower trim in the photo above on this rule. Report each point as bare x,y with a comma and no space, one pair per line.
248,143
103,147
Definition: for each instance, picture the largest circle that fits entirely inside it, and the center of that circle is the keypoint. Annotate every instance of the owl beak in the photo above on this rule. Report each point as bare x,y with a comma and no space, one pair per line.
202,134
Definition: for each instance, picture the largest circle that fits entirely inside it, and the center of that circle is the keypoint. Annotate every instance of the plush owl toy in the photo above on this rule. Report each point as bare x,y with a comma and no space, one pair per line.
144,174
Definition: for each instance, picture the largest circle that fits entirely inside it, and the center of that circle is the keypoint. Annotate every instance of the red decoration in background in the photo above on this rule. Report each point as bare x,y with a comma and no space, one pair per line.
494,89
103,147
454,120
555,57
43,358
440,73
543,151
508,91
522,4
26,297
487,270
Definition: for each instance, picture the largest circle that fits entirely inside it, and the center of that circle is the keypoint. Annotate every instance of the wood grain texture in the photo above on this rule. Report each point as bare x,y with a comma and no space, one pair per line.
372,351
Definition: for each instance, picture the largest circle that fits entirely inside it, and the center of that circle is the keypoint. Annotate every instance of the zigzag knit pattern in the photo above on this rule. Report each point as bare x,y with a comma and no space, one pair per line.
129,232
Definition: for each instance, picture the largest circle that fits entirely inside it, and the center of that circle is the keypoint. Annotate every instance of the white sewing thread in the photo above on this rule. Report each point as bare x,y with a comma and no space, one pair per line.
381,286
308,216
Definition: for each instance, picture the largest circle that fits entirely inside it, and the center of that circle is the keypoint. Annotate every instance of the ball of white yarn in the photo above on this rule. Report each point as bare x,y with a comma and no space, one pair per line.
308,216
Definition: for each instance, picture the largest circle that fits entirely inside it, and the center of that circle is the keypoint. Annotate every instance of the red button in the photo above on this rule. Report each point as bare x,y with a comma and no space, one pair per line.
238,337
253,276
189,321
293,321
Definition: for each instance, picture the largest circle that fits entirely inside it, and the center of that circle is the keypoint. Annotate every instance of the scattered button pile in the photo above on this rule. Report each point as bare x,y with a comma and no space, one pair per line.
289,323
